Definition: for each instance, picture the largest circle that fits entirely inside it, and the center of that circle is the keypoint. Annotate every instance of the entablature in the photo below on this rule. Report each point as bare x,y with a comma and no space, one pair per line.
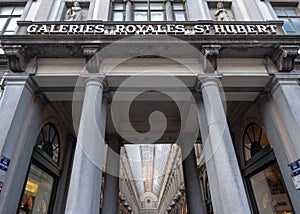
53,40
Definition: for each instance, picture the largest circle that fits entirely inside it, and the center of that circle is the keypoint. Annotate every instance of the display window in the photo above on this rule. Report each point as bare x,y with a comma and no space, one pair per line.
43,174
265,185
38,189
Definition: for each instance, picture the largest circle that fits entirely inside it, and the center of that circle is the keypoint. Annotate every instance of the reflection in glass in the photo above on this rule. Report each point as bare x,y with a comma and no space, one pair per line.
291,12
288,27
2,23
254,139
36,197
269,192
48,141
8,18
179,16
157,16
12,24
290,16
141,6
178,6
6,10
18,11
118,6
140,16
118,16
156,6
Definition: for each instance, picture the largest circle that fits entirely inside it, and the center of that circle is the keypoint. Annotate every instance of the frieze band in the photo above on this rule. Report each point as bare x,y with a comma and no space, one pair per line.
155,29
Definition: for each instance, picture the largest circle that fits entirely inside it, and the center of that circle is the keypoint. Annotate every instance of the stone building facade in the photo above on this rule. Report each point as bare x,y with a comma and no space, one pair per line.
149,106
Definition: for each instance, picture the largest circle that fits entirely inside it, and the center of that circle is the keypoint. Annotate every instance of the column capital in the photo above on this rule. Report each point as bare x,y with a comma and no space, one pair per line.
210,53
95,79
206,79
17,59
284,57
283,79
20,79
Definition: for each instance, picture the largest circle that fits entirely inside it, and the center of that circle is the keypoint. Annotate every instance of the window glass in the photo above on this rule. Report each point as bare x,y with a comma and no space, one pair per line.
6,10
157,16
2,23
290,17
179,16
269,191
140,16
150,11
291,12
178,6
38,189
9,17
118,16
12,24
280,12
255,139
141,6
297,24
287,26
48,141
118,6
156,6
18,11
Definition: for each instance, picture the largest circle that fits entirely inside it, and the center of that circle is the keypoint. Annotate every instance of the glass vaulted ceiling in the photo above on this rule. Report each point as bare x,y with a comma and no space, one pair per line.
148,165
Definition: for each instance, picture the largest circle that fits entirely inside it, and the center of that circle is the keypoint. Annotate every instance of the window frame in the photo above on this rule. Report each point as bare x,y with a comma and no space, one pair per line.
288,18
179,10
148,10
8,17
115,10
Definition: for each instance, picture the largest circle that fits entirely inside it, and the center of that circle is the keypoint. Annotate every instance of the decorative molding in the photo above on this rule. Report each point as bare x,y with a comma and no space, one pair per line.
17,60
210,54
89,50
284,57
206,79
93,64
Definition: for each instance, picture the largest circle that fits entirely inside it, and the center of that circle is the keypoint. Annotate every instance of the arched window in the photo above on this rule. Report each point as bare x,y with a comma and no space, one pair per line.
48,141
254,140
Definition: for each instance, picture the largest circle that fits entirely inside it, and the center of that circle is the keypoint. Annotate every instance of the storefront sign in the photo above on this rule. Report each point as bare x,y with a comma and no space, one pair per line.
152,29
4,163
295,167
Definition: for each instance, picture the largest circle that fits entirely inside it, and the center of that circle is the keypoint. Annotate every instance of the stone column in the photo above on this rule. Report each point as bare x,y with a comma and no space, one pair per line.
128,11
85,184
193,190
169,11
228,192
20,113
280,113
111,185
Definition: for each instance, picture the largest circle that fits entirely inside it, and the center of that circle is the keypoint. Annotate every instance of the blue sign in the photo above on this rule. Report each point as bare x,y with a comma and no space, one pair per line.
4,163
295,167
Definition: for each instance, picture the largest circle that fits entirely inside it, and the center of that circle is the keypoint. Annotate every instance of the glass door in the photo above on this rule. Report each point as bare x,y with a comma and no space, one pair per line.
38,189
269,191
